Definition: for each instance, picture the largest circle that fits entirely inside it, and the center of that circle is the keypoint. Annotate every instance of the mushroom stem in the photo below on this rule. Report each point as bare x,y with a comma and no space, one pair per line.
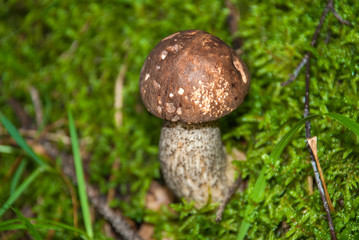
193,161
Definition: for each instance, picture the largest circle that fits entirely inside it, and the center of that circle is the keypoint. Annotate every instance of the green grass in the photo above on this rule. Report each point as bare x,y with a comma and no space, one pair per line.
80,177
17,224
25,185
16,192
19,139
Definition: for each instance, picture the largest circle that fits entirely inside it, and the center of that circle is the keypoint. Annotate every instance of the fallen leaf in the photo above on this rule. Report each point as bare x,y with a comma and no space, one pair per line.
146,231
158,196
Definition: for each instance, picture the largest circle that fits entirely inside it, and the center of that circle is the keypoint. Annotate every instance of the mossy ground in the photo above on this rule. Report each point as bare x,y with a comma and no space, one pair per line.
72,53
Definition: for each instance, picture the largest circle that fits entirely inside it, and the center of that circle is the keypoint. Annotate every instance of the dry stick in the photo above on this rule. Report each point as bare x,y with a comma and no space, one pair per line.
328,7
296,72
117,221
118,104
35,97
307,56
53,137
232,21
48,128
314,165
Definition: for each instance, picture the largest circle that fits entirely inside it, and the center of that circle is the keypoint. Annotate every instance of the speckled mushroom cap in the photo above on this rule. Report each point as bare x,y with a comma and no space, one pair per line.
193,77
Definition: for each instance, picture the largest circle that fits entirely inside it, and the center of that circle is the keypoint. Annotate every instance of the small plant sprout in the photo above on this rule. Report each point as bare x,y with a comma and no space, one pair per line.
191,79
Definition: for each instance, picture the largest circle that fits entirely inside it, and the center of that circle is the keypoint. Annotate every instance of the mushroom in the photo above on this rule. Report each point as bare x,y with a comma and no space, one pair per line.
191,79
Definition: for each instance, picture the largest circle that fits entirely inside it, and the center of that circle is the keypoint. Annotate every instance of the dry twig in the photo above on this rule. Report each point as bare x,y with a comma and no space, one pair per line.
306,61
313,162
232,21
35,97
118,94
118,103
117,221
328,7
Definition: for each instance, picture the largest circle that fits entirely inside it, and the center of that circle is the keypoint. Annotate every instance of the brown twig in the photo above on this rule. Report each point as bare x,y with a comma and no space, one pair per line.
118,103
50,127
118,94
296,72
336,14
117,221
53,137
308,135
35,97
232,22
328,7
314,165
306,61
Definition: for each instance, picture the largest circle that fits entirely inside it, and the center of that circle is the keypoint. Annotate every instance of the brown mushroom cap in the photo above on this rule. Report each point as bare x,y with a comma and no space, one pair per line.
193,76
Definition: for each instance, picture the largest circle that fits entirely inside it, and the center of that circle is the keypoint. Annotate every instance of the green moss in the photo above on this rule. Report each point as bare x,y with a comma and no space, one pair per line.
72,52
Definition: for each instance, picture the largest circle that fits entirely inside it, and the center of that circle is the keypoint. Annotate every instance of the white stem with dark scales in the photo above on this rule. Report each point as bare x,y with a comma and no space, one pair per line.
193,161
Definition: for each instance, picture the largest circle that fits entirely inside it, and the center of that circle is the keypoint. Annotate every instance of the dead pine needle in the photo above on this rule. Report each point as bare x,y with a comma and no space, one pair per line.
312,142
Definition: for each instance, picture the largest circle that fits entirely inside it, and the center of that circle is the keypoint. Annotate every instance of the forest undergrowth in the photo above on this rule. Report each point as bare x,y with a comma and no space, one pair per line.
78,150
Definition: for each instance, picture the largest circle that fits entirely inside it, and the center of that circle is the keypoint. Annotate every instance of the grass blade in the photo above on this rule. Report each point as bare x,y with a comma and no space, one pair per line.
15,224
243,230
11,224
29,227
347,122
15,180
19,139
49,224
258,191
259,187
6,149
20,190
278,149
80,177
